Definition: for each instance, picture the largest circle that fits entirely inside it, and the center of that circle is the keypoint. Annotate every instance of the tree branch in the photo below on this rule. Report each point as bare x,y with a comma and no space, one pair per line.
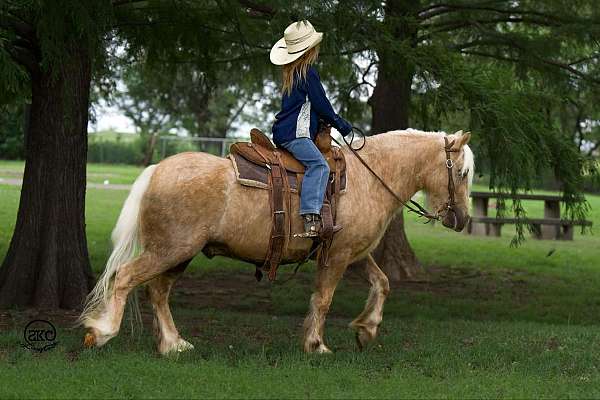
23,57
17,26
117,3
512,43
478,42
449,26
593,149
445,8
235,115
453,25
554,63
584,59
258,9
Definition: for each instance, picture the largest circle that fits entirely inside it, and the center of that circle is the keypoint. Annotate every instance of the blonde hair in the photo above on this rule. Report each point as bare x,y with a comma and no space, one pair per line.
297,69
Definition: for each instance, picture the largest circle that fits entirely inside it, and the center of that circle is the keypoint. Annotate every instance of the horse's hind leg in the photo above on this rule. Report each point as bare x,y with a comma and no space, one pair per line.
137,271
165,331
367,322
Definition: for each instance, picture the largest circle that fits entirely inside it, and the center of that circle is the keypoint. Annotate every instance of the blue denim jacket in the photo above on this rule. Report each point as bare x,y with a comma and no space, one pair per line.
301,110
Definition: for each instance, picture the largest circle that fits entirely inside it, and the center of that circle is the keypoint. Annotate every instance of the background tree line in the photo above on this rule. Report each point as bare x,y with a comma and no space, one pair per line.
522,75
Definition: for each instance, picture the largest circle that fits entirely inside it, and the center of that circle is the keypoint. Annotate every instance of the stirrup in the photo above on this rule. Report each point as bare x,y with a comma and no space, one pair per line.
311,235
306,235
312,226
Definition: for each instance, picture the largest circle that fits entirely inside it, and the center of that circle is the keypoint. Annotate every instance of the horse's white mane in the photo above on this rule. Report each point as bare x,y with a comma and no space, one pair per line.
468,167
468,163
417,132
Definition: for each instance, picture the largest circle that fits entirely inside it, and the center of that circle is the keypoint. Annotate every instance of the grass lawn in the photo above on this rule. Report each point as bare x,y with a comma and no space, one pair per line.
96,173
485,321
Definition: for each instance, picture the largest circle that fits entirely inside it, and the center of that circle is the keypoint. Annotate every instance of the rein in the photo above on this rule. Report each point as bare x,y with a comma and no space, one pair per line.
417,209
413,206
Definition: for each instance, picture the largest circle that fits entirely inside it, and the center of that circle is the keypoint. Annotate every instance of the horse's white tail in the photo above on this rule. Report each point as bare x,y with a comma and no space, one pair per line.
125,245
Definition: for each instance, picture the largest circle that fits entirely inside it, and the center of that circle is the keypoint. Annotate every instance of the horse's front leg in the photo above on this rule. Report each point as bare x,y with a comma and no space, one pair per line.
326,282
367,322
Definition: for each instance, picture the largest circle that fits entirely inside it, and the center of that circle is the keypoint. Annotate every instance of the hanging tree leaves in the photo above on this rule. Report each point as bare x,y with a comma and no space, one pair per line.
506,68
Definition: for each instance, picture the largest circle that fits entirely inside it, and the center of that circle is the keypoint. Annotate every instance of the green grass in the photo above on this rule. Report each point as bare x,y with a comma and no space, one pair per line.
112,136
493,321
96,173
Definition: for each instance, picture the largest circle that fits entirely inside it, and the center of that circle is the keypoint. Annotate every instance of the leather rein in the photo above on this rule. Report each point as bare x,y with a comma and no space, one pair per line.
412,206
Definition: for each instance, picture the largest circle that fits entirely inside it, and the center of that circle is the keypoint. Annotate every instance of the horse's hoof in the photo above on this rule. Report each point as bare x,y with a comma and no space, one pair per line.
175,348
364,336
89,340
322,349
359,343
184,345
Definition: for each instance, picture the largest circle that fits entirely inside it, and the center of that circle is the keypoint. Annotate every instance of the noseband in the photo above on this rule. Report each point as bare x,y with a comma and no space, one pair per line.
446,209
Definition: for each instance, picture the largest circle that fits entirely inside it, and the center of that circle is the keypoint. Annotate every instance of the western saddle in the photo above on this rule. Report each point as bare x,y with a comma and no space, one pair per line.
260,164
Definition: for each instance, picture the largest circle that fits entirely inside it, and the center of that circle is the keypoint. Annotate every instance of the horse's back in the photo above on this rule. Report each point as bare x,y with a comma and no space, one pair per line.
191,171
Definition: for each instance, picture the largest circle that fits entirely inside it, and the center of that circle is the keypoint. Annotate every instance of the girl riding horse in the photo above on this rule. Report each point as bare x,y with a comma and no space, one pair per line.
304,103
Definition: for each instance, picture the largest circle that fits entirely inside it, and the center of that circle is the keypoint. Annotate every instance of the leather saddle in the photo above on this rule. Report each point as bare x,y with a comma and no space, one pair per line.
260,164
260,150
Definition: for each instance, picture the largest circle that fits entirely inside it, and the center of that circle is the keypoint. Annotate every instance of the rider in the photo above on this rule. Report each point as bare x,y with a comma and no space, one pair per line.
304,103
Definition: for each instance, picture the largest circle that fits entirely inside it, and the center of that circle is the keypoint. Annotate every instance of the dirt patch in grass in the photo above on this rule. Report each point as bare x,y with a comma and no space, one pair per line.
9,172
239,291
10,319
471,283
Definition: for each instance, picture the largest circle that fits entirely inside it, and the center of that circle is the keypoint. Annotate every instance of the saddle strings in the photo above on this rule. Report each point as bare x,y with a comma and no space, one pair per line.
417,209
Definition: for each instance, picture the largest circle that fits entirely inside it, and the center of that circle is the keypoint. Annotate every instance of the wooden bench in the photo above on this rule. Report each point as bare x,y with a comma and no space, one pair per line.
559,228
549,227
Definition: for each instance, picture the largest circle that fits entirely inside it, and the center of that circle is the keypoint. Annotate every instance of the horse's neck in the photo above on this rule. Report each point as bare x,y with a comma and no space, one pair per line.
402,163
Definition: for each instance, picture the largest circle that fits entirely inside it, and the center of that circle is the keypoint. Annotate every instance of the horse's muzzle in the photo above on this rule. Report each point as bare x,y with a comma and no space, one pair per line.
455,219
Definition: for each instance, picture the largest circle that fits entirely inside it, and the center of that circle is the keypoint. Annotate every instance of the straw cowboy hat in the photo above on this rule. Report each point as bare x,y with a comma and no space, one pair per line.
297,39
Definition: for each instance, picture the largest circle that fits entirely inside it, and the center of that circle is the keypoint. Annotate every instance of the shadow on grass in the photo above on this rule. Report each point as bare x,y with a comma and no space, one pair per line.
442,293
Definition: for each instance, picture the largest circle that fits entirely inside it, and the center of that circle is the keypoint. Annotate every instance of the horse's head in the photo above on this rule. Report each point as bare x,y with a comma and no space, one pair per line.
450,181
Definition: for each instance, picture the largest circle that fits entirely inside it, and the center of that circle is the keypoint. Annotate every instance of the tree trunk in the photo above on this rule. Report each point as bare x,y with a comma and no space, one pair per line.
390,105
150,146
47,264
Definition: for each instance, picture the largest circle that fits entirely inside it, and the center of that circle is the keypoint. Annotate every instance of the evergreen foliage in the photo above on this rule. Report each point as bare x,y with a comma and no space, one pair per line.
12,144
523,75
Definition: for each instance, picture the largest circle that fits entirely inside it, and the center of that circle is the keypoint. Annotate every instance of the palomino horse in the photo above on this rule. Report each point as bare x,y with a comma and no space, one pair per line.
191,202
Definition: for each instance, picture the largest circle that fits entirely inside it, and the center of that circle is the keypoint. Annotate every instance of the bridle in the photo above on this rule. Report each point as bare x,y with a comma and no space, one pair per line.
451,202
412,205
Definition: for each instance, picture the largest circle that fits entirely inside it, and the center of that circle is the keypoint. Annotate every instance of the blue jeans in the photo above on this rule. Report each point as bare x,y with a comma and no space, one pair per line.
316,174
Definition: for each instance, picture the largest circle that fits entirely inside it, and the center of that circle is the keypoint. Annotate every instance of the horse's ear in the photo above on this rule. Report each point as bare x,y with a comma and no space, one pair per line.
464,139
461,139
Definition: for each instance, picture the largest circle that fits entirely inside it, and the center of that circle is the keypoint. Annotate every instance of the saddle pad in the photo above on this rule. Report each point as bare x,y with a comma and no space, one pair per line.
253,175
